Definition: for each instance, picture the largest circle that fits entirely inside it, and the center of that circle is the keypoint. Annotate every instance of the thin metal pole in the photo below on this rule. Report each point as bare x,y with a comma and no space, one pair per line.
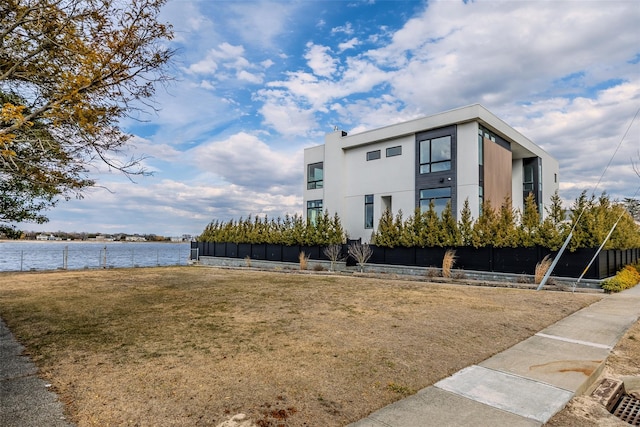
555,261
21,258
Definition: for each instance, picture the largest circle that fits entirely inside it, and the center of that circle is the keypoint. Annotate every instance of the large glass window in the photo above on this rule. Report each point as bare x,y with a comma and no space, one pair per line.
315,175
435,154
368,211
314,210
439,196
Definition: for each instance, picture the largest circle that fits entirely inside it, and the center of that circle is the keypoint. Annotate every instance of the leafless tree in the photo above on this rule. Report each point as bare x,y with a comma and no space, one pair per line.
334,253
361,252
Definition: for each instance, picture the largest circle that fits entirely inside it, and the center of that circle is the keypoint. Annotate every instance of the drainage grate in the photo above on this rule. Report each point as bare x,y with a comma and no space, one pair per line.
628,410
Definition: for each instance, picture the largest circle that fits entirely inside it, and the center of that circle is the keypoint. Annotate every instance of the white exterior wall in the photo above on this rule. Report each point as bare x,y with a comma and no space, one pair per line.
385,177
550,180
467,169
312,155
517,177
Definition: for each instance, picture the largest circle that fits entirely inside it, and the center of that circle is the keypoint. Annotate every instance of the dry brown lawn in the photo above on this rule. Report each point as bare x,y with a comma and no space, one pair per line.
195,345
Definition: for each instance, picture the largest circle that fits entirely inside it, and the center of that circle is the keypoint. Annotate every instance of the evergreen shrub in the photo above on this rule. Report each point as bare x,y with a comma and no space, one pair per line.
626,278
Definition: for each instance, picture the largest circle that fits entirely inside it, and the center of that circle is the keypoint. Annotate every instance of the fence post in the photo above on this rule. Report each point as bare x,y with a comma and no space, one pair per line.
21,258
104,259
65,257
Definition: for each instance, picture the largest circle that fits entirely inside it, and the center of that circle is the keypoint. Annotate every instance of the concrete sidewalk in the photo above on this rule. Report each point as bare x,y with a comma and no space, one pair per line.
25,400
526,384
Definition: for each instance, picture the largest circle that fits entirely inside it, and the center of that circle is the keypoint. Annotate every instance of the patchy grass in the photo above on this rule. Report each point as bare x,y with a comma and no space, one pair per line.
195,346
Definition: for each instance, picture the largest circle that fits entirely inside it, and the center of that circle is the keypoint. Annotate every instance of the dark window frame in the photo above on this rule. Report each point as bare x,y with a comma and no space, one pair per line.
314,206
438,196
427,167
368,211
315,183
373,155
397,152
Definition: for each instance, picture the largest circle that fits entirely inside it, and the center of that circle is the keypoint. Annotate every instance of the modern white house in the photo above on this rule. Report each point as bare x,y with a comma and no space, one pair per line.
463,154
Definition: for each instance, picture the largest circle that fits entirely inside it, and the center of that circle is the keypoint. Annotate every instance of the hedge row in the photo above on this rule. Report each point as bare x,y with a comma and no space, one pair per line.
293,230
506,227
503,227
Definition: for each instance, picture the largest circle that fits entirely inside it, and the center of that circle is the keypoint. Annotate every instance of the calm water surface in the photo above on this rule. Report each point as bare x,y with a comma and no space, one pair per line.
26,256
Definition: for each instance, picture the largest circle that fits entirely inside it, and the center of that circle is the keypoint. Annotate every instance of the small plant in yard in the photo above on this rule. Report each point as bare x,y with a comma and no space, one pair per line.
447,262
247,261
432,272
318,267
400,389
334,253
303,260
541,268
361,252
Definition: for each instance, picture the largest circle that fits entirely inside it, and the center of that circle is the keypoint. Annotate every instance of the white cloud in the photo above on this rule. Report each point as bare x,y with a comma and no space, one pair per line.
320,60
244,160
260,22
286,116
346,29
249,77
349,44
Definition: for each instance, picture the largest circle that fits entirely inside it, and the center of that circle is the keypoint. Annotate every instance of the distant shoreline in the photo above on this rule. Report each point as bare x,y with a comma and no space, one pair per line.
86,241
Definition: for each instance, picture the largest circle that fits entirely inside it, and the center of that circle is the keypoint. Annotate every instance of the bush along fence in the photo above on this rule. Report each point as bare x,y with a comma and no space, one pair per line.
489,259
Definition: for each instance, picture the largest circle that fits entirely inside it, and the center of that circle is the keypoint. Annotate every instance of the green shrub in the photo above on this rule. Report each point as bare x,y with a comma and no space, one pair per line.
626,278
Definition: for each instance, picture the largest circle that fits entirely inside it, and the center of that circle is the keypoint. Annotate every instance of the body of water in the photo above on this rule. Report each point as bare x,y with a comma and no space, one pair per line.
30,255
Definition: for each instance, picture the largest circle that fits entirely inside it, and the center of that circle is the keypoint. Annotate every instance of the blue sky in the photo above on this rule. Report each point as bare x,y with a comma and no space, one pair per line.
258,81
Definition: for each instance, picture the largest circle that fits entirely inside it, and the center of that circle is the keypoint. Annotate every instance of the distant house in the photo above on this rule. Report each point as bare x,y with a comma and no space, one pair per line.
43,236
458,155
135,239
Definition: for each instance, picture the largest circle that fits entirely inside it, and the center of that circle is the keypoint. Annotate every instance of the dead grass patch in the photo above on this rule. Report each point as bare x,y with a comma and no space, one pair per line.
194,346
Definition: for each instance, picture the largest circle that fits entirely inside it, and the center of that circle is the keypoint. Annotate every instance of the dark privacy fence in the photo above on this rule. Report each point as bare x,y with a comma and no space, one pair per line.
503,260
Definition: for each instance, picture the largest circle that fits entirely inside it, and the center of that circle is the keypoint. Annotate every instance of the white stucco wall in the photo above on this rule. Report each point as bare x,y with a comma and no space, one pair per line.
517,177
467,170
385,177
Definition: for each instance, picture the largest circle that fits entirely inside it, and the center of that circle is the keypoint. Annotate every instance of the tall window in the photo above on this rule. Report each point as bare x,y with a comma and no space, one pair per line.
314,210
439,196
527,184
315,175
435,154
368,211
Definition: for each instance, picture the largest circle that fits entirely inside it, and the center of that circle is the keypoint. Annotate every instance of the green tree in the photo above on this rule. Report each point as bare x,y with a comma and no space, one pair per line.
554,229
431,230
484,228
465,224
505,234
529,229
410,230
450,232
386,232
69,73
